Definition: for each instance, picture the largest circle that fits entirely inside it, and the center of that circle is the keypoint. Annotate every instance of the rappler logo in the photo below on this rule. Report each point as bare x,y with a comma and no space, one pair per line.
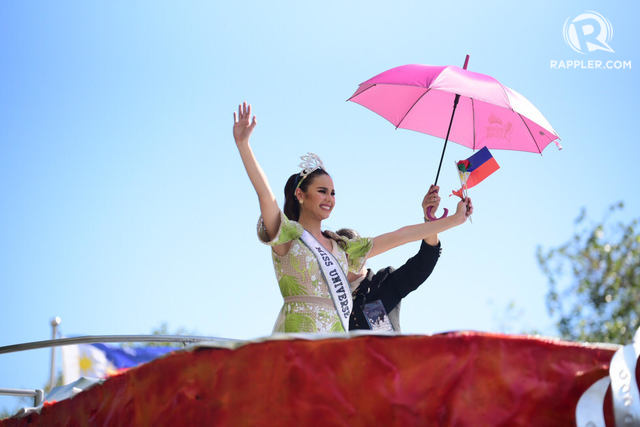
588,32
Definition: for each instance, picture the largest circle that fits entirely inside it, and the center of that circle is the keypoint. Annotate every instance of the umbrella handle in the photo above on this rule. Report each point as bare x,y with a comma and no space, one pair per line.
433,218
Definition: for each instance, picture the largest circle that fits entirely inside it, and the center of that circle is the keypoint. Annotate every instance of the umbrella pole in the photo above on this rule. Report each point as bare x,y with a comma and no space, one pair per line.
430,208
455,104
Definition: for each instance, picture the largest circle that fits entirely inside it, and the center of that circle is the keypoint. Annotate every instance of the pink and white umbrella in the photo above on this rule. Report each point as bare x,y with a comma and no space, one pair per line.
425,98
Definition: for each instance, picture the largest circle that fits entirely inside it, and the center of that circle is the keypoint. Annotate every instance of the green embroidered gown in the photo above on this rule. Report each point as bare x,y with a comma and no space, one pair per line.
308,306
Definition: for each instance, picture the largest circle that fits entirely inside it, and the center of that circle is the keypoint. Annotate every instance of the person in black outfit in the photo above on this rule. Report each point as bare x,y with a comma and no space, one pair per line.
378,295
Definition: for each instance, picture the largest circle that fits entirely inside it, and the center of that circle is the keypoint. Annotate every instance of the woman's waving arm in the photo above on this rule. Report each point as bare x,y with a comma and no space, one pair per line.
243,125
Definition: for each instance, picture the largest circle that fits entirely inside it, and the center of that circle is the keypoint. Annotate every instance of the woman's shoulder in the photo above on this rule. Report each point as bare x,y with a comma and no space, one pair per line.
288,231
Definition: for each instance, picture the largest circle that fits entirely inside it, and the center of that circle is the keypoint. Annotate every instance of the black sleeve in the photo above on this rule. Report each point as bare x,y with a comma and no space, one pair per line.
393,285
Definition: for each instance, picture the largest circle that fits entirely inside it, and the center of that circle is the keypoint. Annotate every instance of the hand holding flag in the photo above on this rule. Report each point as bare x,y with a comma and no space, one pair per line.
465,208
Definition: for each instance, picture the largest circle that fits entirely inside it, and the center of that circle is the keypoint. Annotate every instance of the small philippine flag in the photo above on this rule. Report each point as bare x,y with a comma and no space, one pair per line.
475,169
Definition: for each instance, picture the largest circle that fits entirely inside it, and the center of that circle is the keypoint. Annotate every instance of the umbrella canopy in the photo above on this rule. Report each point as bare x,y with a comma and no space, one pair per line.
489,114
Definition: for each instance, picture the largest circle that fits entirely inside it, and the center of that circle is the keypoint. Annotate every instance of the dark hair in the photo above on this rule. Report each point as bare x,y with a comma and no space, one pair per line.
342,234
349,233
291,204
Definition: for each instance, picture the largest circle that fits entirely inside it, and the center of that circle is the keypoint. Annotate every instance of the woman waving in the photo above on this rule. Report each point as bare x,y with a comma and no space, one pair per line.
311,264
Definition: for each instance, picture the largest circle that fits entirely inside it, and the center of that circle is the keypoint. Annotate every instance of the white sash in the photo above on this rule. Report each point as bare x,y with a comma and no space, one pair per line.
334,277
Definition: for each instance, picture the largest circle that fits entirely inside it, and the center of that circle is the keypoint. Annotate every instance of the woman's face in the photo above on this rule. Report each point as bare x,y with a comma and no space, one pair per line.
319,199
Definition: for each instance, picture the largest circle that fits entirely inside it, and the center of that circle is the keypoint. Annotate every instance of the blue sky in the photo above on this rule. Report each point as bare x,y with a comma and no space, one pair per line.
124,203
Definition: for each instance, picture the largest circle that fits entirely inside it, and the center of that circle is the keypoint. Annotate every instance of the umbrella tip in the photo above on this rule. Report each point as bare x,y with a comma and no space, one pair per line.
466,62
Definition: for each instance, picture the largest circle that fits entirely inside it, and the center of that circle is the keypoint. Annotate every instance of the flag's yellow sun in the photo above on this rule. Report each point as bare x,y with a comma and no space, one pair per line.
85,363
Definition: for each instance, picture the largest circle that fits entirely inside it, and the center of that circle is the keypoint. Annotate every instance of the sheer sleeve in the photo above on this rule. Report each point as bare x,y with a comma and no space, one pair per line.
357,252
288,231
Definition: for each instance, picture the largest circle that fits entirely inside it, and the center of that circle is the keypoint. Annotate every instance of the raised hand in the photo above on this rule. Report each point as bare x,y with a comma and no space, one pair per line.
469,207
431,199
464,208
243,124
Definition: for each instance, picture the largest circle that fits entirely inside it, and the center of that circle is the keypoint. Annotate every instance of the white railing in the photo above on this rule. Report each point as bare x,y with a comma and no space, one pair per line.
38,394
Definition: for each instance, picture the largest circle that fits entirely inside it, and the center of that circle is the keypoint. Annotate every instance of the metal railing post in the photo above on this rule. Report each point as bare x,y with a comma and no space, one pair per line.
37,394
55,322
39,397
